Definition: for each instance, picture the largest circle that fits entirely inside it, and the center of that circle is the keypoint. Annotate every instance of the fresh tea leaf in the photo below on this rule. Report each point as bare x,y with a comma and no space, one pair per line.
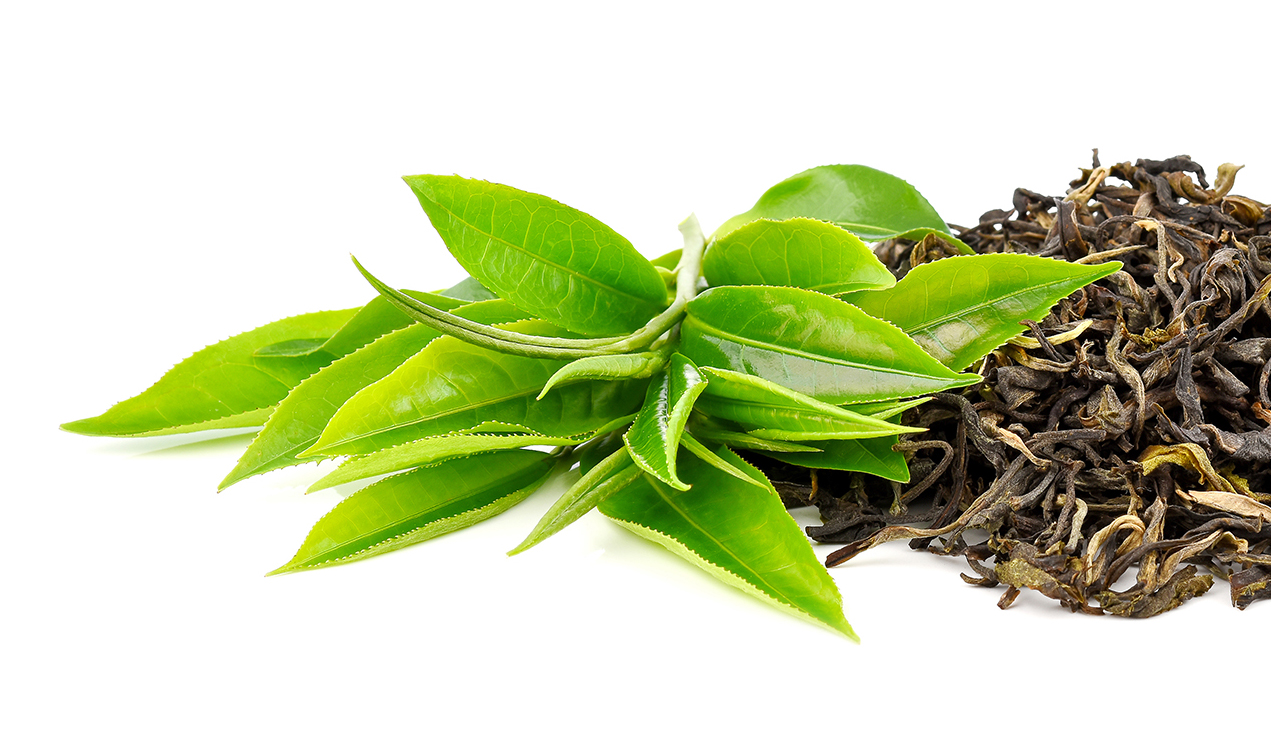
412,507
469,289
433,449
654,438
866,202
550,260
372,320
299,419
609,476
801,252
221,386
736,531
873,456
810,343
452,386
960,309
640,365
770,411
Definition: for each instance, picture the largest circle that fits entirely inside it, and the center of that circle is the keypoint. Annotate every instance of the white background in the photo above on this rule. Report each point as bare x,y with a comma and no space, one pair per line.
174,173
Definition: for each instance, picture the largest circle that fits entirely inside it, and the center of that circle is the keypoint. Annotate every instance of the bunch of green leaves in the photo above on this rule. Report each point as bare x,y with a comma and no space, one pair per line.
781,334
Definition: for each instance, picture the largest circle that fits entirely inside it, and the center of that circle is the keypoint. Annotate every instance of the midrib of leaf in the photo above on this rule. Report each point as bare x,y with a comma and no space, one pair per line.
809,355
925,327
531,254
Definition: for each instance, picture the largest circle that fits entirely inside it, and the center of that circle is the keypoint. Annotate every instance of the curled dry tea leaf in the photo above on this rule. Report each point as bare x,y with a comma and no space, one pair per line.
552,261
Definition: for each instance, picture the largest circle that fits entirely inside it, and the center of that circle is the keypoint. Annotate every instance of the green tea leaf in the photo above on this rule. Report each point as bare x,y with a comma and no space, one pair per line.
770,411
412,507
805,253
372,320
433,449
739,440
866,202
221,386
736,531
299,419
704,454
960,309
377,318
552,261
610,475
873,456
810,343
452,386
654,438
598,449
469,289
639,365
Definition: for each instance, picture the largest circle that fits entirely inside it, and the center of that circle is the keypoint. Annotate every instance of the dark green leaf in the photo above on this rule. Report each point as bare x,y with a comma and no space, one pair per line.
412,507
810,343
805,253
736,531
959,309
552,261
864,201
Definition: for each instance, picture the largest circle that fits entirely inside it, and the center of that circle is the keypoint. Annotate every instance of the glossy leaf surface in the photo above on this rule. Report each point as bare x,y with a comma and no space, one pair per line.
707,455
770,411
469,289
960,309
453,386
654,438
866,202
300,418
736,531
800,252
221,386
873,456
412,507
811,343
550,260
639,365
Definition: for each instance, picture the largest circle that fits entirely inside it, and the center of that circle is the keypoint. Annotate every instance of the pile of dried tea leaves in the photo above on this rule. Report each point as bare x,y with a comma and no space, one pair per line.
1129,428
